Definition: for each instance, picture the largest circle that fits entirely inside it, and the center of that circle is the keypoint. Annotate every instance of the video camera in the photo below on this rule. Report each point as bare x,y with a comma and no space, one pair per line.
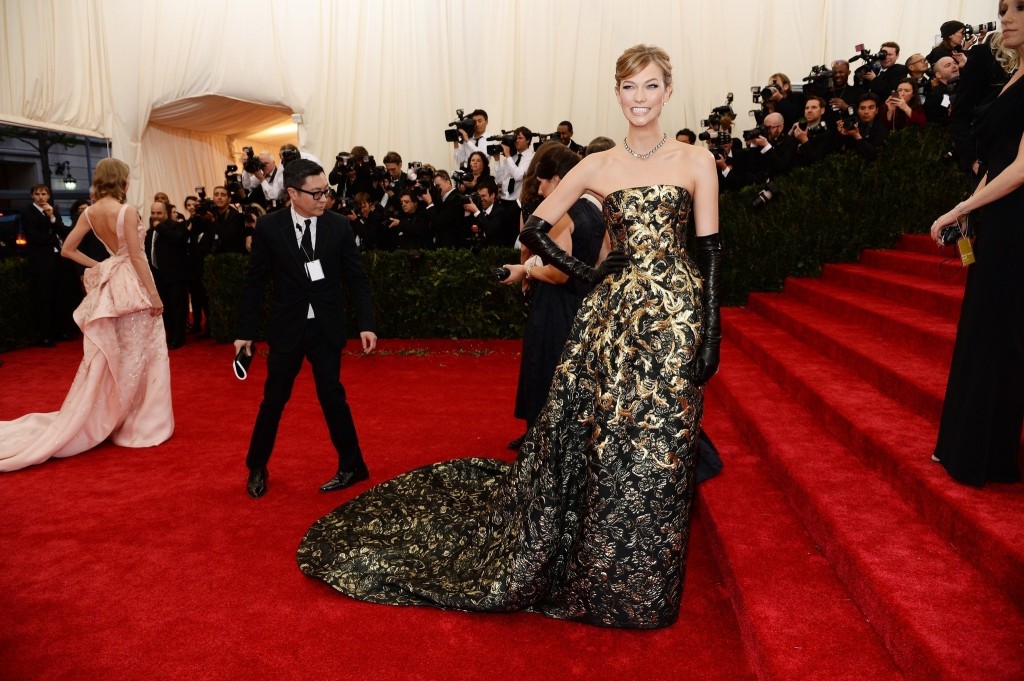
461,122
251,164
544,137
507,138
872,62
819,81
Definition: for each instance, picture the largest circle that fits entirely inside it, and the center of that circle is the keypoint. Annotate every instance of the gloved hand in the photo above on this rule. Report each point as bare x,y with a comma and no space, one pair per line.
535,237
708,255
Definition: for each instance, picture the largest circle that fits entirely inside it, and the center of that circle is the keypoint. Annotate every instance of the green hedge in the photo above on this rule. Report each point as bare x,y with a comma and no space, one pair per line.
826,213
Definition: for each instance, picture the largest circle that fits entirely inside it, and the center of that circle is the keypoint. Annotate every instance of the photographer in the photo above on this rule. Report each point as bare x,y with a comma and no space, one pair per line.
410,228
902,108
265,175
487,218
368,221
889,72
771,154
509,171
815,140
201,241
940,99
866,134
952,43
478,142
841,96
918,72
778,97
732,172
446,213
395,181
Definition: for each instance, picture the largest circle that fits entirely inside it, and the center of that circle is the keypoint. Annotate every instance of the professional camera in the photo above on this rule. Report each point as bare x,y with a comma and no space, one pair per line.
205,207
754,133
459,176
461,122
201,192
714,118
250,215
715,139
231,174
343,162
971,29
379,173
251,164
768,192
474,199
541,138
818,81
849,119
763,94
346,206
508,138
872,62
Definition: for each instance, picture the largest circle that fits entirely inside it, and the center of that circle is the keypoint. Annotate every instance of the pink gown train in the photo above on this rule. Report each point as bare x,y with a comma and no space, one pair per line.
122,390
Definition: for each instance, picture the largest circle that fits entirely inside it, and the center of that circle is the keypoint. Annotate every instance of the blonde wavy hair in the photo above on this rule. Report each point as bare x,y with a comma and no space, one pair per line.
1007,58
110,179
637,58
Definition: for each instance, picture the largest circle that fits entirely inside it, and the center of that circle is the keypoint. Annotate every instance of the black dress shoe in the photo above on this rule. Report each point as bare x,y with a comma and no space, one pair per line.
257,484
346,479
517,443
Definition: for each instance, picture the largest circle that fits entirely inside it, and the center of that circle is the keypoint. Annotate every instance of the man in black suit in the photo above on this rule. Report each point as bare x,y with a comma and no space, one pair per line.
816,140
229,226
489,217
307,252
167,251
868,136
447,215
45,231
889,75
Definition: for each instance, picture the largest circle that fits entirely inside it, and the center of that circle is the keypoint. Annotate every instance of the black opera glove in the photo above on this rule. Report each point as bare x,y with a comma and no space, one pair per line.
708,254
535,237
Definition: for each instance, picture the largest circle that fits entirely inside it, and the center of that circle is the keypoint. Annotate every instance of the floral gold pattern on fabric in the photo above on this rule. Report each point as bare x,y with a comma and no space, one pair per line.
591,521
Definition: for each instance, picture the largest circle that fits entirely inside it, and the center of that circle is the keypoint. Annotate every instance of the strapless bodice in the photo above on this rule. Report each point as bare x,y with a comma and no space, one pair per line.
648,221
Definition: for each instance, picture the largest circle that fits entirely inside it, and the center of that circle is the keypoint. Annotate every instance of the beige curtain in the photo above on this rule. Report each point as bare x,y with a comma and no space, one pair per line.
389,74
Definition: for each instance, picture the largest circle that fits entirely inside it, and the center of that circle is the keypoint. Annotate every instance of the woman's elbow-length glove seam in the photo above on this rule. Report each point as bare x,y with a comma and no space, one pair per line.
708,254
535,237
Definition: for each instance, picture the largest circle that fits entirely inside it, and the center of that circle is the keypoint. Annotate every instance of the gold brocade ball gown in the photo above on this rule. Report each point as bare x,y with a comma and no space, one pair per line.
591,521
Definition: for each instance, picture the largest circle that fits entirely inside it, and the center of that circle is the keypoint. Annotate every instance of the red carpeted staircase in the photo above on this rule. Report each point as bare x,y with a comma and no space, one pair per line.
847,552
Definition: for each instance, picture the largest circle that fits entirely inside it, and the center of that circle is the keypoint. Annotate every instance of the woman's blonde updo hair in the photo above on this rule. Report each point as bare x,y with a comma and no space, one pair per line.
1007,58
637,58
110,179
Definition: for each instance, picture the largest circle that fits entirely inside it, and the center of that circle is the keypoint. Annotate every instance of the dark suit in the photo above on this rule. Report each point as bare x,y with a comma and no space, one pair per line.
884,84
201,240
229,229
49,277
168,260
448,222
292,337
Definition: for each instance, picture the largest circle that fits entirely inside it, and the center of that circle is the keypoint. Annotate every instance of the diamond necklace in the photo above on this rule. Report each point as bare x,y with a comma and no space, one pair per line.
649,153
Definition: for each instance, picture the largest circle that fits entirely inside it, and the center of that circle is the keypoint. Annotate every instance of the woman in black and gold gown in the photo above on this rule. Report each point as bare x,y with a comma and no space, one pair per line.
591,521
983,412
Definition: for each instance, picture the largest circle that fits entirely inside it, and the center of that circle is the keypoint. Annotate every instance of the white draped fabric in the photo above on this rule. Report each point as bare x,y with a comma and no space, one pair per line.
168,81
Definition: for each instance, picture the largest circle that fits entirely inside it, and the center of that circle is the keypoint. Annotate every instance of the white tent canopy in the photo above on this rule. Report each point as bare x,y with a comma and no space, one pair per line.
180,85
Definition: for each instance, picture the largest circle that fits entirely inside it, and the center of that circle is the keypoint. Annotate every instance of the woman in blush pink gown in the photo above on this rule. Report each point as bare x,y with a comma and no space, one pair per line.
122,390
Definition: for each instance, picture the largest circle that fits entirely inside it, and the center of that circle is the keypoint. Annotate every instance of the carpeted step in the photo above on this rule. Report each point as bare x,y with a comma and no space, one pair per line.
939,616
796,619
922,243
982,524
924,332
938,298
943,270
915,379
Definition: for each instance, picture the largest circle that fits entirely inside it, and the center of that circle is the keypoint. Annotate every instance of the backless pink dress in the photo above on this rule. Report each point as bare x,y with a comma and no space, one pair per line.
122,390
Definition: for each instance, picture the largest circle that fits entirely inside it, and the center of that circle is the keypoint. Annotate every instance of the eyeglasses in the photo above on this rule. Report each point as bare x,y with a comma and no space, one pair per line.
316,194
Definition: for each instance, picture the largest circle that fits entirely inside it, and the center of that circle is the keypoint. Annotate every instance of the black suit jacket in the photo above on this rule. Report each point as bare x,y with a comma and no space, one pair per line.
276,254
885,83
171,250
448,222
42,235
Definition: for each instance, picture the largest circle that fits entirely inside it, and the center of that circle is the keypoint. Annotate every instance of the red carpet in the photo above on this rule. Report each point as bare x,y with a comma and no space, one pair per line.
830,547
847,552
130,564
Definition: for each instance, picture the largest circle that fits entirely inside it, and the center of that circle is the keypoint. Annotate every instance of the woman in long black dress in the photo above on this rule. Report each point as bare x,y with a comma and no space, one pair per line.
555,297
592,519
983,413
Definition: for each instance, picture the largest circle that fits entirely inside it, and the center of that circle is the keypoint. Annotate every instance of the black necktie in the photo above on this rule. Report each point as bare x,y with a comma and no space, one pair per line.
512,182
307,240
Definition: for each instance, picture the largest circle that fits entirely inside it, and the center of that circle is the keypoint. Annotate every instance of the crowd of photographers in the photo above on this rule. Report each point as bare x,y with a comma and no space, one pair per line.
851,105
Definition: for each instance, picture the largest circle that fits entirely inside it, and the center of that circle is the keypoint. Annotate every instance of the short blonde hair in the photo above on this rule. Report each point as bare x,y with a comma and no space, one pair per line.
111,179
637,58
